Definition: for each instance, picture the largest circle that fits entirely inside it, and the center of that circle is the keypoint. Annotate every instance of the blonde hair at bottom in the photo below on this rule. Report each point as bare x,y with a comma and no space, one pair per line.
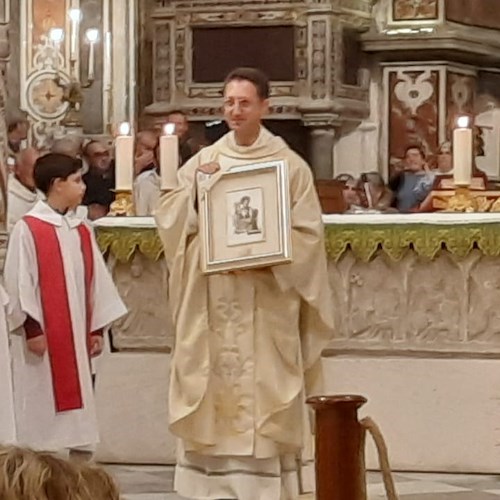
29,475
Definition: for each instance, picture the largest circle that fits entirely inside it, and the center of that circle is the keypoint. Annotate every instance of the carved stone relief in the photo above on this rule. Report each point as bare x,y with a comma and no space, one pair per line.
448,304
445,305
142,283
318,56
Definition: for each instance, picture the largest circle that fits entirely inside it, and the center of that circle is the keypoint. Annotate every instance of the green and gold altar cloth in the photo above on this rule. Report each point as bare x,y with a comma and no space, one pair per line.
364,235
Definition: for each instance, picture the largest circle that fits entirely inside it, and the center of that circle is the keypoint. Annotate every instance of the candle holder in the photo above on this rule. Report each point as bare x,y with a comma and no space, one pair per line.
72,90
123,206
463,201
73,95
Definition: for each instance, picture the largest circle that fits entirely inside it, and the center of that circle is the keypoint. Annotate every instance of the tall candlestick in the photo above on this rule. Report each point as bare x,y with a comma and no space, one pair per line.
462,153
169,158
75,16
124,158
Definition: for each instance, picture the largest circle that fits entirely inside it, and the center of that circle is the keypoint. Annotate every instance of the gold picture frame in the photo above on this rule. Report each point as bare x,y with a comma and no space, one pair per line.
244,217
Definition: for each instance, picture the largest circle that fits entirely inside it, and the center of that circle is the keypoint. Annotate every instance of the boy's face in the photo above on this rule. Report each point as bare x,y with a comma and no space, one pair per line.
72,189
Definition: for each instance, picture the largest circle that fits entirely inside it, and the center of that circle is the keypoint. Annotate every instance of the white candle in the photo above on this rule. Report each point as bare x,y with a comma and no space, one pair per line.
92,37
91,61
57,36
75,15
107,52
124,159
462,153
169,157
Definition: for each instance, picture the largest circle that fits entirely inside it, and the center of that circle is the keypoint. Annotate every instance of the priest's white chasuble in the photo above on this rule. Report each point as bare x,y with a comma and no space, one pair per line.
248,344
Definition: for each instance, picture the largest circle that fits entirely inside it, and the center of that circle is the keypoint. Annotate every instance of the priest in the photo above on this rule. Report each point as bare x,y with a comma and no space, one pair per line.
248,343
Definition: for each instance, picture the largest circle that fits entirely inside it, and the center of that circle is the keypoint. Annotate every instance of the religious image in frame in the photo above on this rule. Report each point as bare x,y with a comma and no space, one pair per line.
244,215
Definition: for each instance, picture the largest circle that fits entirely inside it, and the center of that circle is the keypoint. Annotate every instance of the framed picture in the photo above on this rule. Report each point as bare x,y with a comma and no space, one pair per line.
244,216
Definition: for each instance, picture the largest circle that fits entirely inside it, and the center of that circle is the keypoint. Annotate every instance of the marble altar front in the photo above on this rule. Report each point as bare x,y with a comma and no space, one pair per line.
417,332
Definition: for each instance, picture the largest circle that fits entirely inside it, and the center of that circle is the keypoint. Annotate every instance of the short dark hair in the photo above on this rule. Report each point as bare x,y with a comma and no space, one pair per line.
417,147
54,166
177,111
253,75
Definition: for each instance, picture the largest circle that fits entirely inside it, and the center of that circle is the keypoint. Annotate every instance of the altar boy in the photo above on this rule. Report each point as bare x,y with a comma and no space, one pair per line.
61,298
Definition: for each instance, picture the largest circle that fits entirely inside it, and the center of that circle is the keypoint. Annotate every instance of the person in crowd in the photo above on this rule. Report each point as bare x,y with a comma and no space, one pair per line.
71,145
146,144
248,343
61,297
351,193
17,133
29,475
188,147
100,179
22,193
412,180
146,189
378,196
214,130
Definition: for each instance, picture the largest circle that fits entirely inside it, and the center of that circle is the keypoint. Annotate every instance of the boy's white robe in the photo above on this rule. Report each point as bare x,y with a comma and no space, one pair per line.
38,425
7,422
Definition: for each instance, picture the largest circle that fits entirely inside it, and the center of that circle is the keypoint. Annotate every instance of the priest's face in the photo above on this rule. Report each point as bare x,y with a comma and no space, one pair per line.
243,108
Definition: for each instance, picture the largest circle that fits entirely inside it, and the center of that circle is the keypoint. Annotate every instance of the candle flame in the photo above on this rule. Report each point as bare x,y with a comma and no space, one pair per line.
92,35
75,15
56,35
124,128
169,128
463,122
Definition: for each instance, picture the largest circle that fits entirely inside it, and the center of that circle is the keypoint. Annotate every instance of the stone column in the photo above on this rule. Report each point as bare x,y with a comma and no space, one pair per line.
321,152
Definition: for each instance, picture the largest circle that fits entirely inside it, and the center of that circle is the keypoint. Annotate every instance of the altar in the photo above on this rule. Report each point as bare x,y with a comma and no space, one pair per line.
417,332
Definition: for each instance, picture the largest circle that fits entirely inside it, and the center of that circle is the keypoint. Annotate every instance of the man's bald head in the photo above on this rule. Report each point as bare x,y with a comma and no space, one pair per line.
25,164
146,140
69,146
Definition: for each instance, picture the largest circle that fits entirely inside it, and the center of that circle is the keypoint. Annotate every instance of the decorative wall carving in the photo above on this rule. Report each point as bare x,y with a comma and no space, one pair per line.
444,305
148,324
447,304
318,56
460,92
162,68
40,97
318,52
424,102
406,10
413,110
